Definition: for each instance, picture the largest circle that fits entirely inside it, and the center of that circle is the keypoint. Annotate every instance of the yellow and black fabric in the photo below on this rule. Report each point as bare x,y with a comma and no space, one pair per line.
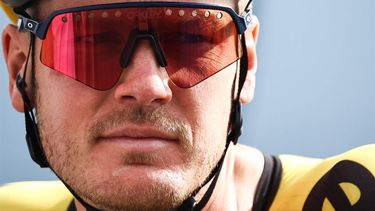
343,183
288,183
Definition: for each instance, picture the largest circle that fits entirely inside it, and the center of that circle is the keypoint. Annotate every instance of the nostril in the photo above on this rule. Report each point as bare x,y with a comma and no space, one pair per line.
128,98
143,86
144,81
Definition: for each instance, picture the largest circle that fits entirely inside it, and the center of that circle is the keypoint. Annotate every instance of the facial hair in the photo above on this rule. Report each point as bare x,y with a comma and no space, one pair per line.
169,187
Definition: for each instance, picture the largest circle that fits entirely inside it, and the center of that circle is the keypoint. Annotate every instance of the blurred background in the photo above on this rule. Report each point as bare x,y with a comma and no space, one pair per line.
315,92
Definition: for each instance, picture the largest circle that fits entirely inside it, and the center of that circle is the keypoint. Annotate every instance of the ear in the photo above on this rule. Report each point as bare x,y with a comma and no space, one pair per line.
251,36
15,49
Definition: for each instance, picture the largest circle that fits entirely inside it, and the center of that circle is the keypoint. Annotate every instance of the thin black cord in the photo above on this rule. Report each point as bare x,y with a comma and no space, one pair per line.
234,134
32,133
247,8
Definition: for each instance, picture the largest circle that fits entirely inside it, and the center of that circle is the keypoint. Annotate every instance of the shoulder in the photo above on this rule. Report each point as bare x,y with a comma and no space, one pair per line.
47,195
344,181
294,167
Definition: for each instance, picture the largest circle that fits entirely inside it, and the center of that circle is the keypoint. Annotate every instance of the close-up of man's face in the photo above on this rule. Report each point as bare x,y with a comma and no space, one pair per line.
145,143
148,105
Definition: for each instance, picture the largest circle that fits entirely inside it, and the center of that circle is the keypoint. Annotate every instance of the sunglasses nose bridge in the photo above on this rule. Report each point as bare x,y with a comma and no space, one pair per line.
134,39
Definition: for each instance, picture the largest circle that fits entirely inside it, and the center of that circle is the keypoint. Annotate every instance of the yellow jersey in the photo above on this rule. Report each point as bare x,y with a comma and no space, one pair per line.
288,183
344,182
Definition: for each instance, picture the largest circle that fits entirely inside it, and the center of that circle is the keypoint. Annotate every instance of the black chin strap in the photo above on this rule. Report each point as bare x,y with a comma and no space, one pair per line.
32,133
236,118
190,203
235,131
87,206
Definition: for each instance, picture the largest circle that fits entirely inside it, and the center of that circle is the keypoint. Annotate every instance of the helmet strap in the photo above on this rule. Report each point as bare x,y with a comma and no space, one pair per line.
236,115
235,125
32,133
21,10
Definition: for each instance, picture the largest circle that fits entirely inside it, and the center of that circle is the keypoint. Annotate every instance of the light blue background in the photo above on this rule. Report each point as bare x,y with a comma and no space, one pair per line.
315,91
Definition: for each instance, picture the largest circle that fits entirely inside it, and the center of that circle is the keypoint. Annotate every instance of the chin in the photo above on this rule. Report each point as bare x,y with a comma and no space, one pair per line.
154,190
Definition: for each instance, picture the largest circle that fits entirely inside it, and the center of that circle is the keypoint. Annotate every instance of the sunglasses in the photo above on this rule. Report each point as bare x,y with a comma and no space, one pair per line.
94,44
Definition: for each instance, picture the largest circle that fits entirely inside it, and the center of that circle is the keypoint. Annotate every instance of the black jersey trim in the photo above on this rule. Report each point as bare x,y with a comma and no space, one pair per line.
268,184
72,206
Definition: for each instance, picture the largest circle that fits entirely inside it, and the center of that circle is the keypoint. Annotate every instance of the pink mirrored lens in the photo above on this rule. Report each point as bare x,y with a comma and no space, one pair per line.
87,45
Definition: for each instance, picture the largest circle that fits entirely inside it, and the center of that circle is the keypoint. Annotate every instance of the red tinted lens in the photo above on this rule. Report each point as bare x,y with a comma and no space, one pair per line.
87,45
197,43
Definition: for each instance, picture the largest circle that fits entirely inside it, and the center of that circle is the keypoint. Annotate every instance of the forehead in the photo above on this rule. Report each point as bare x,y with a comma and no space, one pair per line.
45,7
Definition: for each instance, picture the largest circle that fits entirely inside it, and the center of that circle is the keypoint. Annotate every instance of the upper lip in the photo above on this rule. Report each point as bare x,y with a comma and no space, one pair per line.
138,132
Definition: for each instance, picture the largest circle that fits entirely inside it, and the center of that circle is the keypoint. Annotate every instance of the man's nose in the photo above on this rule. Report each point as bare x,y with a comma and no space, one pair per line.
143,82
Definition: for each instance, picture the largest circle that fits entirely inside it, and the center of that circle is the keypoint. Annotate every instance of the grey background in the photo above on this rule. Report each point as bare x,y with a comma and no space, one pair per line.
315,85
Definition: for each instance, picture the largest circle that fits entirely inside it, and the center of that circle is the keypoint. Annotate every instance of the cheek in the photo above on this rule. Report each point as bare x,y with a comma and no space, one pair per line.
64,103
58,97
217,94
65,108
61,96
211,103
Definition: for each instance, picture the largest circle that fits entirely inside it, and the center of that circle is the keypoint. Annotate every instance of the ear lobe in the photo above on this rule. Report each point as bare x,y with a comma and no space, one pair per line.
251,37
15,50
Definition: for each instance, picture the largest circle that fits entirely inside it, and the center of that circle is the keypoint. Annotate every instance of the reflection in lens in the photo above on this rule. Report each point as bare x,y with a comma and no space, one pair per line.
86,46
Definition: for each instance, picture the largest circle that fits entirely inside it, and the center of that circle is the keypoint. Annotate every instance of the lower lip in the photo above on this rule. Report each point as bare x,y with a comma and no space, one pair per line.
138,144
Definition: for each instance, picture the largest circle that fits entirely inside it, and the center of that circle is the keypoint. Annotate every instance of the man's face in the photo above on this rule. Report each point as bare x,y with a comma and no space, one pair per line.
145,142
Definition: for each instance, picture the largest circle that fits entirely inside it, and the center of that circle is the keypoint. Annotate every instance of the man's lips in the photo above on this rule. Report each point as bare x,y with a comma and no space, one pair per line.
139,132
138,138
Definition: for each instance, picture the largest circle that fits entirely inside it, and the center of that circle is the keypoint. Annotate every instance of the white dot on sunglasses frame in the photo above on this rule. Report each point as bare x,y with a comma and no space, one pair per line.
64,19
181,13
168,12
219,15
194,13
207,14
104,14
118,14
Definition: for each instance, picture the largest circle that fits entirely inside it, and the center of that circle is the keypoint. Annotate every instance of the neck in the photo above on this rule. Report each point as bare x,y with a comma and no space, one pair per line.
238,180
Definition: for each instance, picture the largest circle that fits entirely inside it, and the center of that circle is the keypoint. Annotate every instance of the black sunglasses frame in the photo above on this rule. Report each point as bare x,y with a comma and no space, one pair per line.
39,29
